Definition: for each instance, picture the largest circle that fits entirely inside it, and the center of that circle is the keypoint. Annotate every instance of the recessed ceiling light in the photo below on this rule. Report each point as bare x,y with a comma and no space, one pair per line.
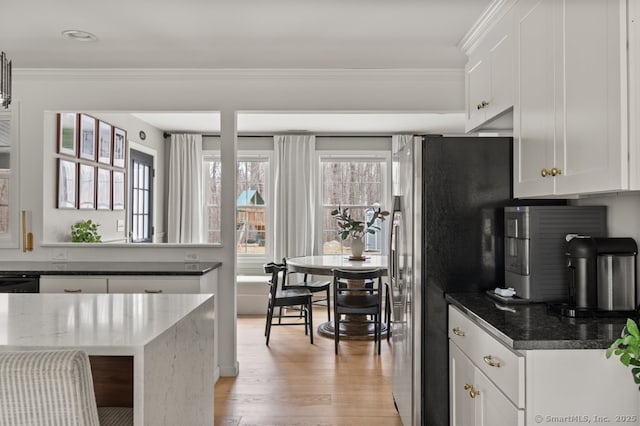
79,35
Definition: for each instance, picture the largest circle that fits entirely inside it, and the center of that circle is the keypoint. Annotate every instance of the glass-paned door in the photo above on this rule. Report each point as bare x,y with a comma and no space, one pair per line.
141,190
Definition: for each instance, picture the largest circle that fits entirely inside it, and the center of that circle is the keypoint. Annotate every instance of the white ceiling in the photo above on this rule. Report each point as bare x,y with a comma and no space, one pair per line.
188,34
239,34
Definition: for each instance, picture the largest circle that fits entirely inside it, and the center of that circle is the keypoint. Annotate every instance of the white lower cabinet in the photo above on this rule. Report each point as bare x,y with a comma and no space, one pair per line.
154,285
72,284
475,400
491,384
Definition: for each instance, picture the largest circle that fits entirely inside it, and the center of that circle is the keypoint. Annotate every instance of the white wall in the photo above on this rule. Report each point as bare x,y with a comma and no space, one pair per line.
227,91
623,217
57,226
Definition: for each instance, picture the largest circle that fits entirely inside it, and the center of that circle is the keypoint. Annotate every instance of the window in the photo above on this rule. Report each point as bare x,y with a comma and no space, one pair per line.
359,183
141,191
251,191
252,174
212,194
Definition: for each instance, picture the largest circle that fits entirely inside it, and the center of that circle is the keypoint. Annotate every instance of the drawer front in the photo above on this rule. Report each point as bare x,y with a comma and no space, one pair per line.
72,284
154,285
500,364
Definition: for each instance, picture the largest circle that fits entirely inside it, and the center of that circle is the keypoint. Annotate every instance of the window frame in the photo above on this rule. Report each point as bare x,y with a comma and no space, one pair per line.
11,238
383,156
210,155
255,261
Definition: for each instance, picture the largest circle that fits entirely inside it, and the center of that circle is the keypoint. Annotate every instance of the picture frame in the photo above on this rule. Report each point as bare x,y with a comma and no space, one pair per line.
67,184
119,147
105,142
118,190
68,133
87,138
103,189
86,187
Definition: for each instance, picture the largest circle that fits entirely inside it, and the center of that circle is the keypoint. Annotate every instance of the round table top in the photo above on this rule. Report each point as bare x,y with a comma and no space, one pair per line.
322,265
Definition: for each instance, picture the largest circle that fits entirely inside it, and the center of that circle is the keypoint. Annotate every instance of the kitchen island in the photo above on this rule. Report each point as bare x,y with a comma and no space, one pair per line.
168,339
522,364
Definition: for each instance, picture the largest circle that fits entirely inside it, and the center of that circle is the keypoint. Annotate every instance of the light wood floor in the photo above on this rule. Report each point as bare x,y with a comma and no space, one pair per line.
292,382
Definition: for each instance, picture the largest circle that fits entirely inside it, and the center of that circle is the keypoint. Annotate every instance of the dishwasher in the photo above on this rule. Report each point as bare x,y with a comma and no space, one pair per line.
19,283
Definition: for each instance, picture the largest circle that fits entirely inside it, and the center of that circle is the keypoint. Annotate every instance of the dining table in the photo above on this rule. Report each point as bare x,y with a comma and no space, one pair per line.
355,329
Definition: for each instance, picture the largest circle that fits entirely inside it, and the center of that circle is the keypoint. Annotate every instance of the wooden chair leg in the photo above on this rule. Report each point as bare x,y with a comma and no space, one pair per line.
269,319
328,305
280,315
310,314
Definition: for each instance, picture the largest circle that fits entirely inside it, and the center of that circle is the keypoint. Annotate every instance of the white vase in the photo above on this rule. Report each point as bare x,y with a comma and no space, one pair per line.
357,247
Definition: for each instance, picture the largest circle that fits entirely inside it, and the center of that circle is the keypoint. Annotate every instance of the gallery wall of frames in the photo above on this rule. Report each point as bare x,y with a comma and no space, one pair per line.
91,163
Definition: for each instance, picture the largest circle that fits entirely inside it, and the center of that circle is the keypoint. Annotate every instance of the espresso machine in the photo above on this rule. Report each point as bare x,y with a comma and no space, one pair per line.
601,277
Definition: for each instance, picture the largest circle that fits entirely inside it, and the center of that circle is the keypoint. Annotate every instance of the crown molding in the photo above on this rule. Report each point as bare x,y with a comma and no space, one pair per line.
492,14
419,74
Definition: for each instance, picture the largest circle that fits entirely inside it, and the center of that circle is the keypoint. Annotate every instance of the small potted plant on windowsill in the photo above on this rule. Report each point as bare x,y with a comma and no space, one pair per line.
85,231
356,229
627,347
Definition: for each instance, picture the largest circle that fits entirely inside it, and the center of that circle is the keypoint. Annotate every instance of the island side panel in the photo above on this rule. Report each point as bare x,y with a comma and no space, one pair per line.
179,370
209,284
579,386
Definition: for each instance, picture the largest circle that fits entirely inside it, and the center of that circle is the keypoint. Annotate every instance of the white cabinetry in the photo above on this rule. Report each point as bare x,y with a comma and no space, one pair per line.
489,76
570,106
72,284
143,284
493,385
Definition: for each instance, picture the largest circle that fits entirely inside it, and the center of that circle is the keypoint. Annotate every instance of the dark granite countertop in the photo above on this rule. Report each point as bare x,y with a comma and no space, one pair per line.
107,268
534,326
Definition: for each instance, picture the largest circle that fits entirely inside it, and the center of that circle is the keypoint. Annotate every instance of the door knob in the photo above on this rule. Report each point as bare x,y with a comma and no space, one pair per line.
544,173
556,172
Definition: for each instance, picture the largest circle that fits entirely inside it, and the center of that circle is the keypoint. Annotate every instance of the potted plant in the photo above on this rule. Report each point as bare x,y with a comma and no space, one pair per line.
356,229
85,231
627,347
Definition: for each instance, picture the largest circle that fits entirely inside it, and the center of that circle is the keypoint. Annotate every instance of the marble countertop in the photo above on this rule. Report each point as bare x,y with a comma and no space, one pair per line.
104,324
534,326
107,268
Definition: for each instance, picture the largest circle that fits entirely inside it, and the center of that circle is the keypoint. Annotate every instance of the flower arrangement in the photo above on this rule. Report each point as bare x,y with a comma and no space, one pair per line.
355,228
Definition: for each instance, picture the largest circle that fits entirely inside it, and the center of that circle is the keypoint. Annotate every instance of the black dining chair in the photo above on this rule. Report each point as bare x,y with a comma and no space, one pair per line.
279,298
362,300
314,287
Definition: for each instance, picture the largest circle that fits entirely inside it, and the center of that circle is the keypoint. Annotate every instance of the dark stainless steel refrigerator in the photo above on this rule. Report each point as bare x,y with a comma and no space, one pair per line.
446,237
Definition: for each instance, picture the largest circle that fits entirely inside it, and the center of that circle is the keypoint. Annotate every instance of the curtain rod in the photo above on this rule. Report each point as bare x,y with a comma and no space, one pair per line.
270,135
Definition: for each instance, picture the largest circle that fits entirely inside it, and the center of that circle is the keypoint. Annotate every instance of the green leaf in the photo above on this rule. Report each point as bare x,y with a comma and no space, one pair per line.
632,328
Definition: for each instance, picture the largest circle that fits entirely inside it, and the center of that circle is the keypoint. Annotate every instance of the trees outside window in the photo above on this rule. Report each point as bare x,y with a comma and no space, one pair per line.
356,183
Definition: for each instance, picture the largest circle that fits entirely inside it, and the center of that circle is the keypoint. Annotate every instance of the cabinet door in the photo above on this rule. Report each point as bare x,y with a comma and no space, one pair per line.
534,110
461,404
592,155
478,81
501,57
492,407
146,284
72,284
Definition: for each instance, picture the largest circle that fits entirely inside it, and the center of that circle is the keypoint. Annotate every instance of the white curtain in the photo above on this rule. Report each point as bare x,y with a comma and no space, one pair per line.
295,206
185,200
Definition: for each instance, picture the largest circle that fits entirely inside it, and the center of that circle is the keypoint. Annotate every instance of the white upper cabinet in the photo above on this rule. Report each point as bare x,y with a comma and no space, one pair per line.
633,23
570,128
489,76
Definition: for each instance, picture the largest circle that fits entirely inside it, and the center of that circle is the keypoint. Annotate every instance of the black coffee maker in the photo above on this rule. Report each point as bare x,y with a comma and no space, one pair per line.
601,276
